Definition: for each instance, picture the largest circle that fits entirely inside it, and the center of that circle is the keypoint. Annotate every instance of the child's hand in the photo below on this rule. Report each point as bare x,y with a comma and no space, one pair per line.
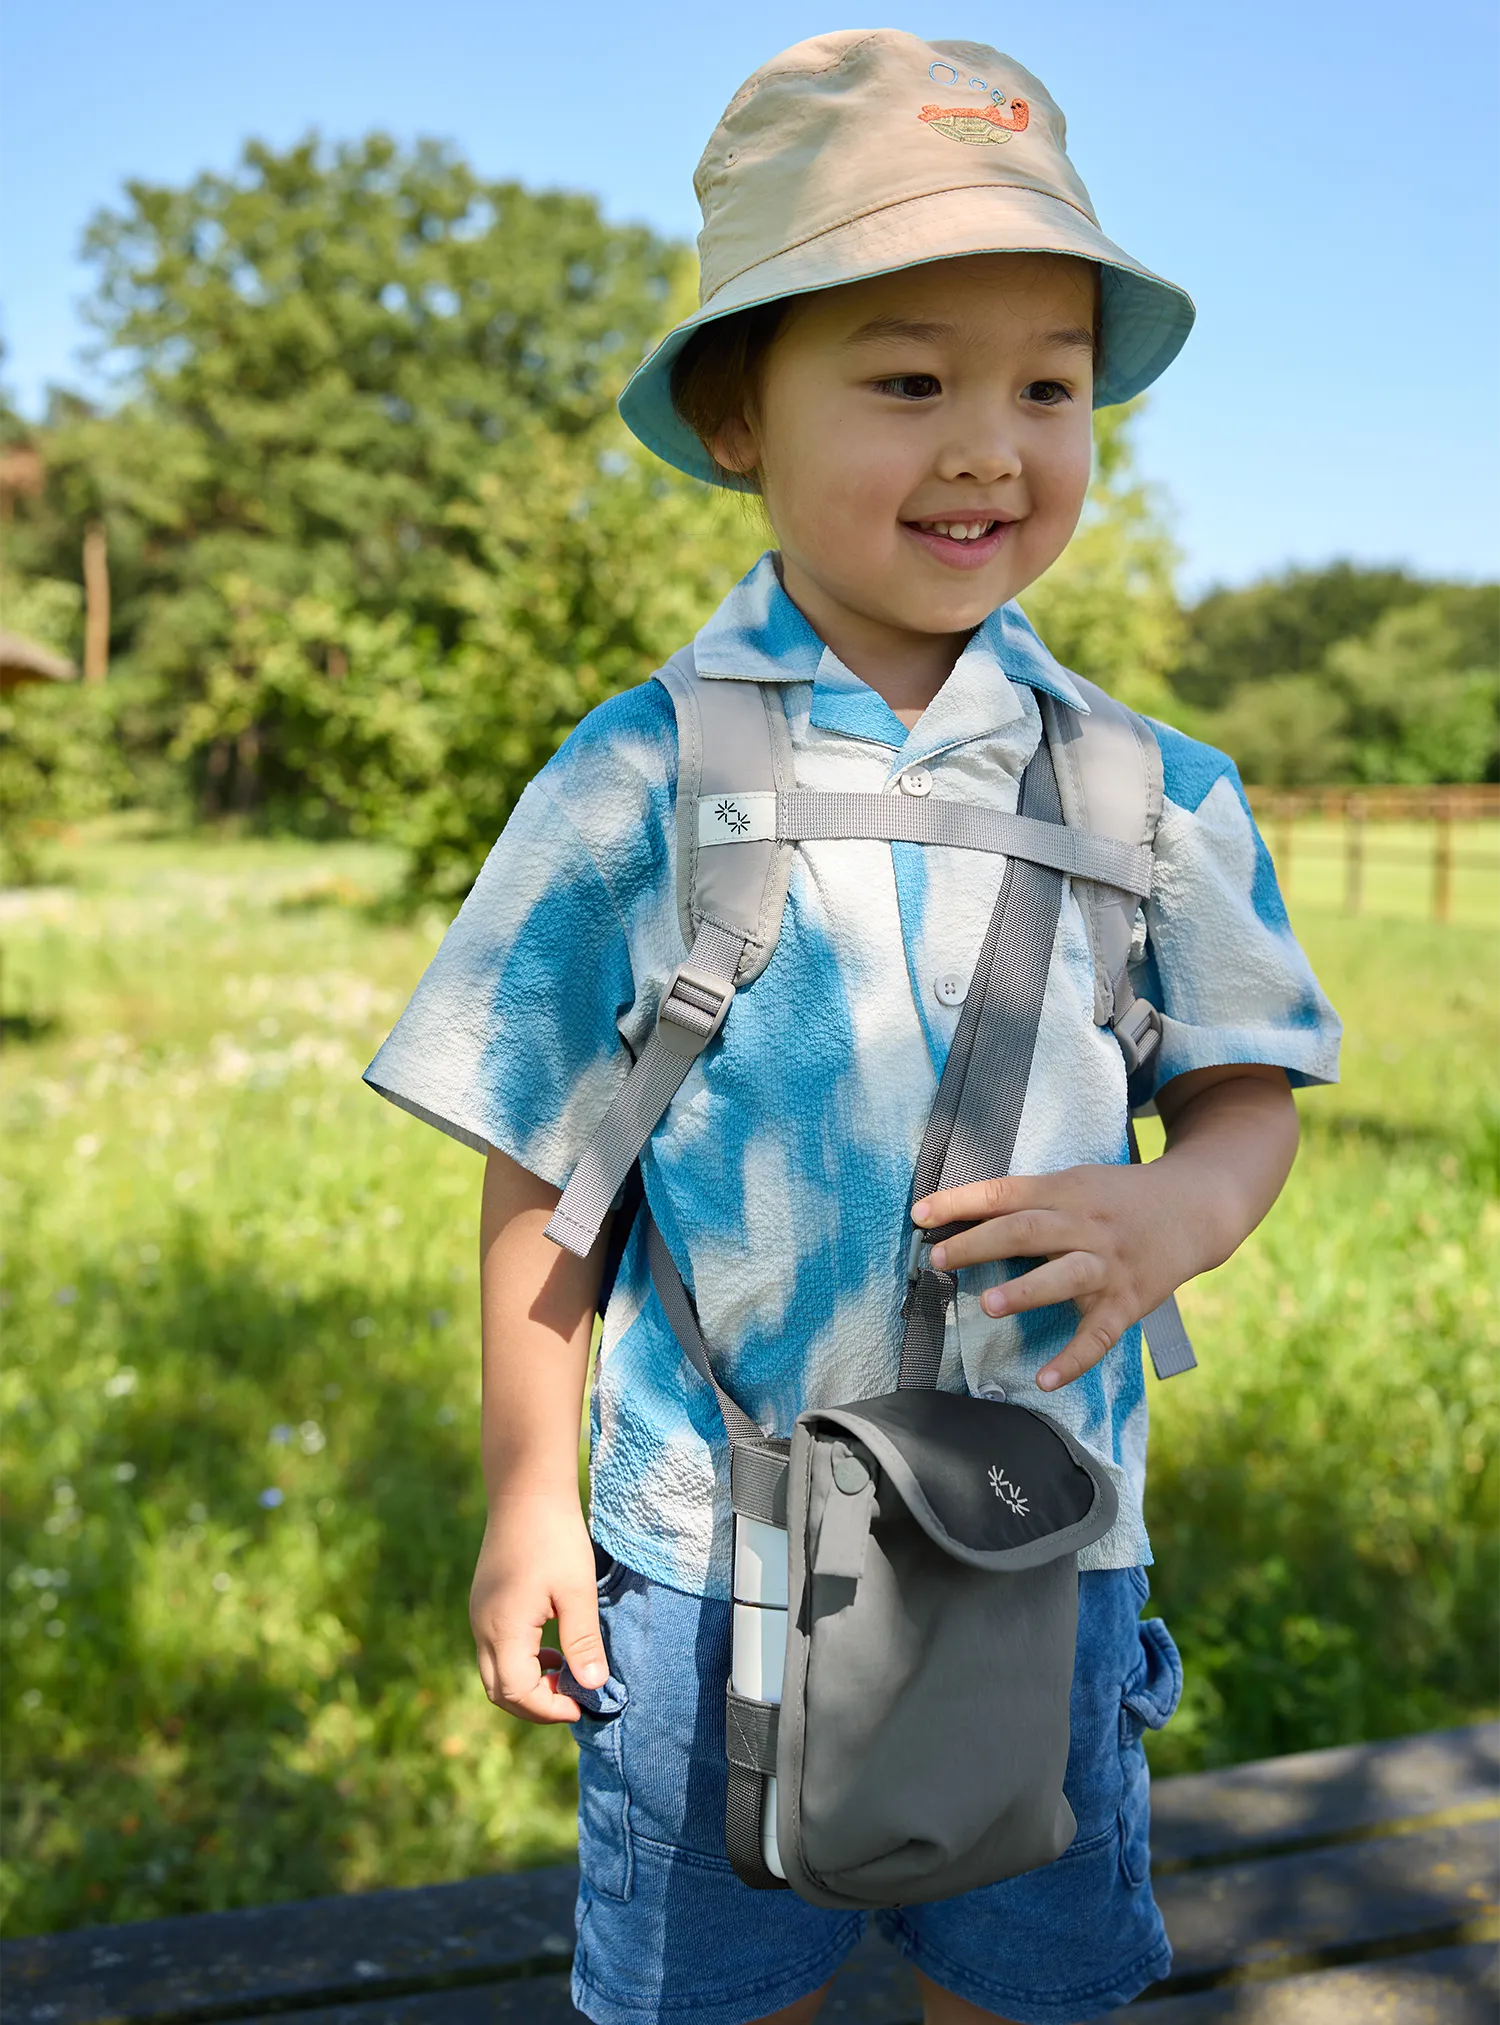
1101,1231
536,1562
1118,1240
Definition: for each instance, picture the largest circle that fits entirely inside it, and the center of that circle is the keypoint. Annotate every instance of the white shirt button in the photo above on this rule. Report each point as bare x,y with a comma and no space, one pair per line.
916,781
950,987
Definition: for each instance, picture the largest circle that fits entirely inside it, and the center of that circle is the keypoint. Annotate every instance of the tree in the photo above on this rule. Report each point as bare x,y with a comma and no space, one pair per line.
1107,608
1282,625
1421,698
358,381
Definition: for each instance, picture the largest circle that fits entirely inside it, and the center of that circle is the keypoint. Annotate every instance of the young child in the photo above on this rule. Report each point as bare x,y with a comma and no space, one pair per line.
908,315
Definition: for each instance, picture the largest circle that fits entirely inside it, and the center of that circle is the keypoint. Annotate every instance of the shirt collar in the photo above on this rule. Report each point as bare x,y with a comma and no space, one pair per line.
758,635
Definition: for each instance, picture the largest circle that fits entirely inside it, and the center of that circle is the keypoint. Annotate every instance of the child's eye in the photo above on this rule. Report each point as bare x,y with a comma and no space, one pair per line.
910,386
1047,393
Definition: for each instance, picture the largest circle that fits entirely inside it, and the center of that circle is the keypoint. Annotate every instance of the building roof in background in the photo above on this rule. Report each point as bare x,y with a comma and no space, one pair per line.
23,660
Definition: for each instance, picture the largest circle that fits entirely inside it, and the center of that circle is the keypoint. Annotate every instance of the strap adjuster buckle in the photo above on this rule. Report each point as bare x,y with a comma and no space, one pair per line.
692,1010
1138,1030
916,1265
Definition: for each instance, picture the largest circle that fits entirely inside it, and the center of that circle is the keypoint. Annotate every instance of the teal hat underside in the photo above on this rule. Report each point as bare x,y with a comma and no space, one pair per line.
1145,323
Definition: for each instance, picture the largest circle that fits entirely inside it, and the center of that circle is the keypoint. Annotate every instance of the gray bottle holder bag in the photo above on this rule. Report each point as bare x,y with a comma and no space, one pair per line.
933,1612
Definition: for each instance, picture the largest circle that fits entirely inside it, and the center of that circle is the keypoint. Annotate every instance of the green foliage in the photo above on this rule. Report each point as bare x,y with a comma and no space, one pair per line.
232,1272
1282,625
1287,732
371,437
57,758
610,589
1421,698
311,710
1107,608
1344,674
48,610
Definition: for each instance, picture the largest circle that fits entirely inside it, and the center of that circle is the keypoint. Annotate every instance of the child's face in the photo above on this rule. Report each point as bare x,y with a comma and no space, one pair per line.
893,411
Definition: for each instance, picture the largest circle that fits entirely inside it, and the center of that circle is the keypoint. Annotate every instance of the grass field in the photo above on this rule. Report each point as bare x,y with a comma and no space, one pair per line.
241,1492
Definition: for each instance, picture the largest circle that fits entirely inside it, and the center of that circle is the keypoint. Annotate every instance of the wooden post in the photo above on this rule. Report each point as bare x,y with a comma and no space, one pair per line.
1442,859
1354,854
95,602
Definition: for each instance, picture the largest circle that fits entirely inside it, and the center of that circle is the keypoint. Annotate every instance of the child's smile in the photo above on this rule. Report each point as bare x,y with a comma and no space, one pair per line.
962,541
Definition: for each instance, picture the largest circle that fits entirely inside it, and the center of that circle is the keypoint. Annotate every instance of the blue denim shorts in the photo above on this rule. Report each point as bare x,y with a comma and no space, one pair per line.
667,1932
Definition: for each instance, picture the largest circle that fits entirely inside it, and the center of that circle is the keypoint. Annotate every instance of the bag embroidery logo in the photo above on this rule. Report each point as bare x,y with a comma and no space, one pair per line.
730,816
1008,1493
978,125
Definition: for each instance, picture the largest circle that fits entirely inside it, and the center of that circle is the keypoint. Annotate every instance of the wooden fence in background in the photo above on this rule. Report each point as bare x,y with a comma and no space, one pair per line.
1355,810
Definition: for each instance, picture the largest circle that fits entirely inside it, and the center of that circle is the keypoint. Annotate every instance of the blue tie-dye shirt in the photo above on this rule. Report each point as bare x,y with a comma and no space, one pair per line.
781,1175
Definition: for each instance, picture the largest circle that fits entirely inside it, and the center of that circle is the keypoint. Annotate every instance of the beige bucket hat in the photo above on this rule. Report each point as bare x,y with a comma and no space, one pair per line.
854,154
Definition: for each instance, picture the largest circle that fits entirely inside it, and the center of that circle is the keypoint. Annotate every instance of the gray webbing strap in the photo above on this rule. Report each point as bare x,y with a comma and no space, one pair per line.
742,1830
750,1733
1166,1334
807,815
691,1012
971,1134
757,1480
1168,1341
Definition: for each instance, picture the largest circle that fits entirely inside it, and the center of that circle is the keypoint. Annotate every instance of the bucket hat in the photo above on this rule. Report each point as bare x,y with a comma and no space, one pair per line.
854,154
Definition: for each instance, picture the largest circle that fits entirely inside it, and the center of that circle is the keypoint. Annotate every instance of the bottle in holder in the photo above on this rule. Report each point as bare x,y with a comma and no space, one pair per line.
759,1648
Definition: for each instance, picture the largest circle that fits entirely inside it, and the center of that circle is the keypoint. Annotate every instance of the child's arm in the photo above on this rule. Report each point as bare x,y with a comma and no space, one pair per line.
536,1562
1118,1240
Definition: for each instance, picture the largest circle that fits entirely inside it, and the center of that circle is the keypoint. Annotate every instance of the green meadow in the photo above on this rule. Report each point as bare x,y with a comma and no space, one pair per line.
241,1488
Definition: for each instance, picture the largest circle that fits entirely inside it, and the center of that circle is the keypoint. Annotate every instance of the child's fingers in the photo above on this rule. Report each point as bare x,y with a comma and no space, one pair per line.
1101,1328
979,1199
1025,1234
515,1681
1073,1277
579,1636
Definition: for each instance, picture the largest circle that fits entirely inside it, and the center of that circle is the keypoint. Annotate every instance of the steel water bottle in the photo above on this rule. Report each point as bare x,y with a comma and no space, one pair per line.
759,1649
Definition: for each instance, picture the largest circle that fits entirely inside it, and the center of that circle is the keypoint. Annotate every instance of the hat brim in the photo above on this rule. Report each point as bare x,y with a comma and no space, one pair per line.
1145,319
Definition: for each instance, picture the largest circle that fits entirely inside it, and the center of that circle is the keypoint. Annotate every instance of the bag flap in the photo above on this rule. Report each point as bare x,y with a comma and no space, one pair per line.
992,1484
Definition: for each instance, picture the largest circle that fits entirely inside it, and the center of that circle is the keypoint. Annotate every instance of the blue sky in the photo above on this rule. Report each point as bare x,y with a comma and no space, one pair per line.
1322,177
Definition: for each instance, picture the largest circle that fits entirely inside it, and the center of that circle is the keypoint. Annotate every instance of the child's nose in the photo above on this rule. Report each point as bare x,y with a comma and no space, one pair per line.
983,453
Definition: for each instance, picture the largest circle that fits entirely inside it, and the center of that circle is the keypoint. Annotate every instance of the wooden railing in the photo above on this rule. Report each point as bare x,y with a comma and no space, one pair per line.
1345,816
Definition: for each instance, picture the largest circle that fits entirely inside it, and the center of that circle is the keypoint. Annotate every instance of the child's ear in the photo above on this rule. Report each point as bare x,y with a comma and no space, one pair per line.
735,447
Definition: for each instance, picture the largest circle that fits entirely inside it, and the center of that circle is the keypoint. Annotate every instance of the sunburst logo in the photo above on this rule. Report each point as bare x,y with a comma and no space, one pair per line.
730,816
979,126
1008,1493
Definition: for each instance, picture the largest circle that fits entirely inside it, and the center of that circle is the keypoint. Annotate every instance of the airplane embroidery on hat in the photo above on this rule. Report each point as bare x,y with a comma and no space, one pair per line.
978,124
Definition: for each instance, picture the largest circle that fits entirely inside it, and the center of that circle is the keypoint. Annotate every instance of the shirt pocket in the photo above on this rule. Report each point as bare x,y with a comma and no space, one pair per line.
1148,1701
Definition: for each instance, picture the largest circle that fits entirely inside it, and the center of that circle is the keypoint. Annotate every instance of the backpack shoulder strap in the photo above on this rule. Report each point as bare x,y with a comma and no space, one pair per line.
734,756
1109,780
734,762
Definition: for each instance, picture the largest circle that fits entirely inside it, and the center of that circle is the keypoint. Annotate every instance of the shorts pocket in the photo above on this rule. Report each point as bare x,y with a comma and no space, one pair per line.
1148,1701
605,1853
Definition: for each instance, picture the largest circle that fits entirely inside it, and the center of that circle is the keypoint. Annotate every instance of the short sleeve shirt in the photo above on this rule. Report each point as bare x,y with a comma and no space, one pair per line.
781,1175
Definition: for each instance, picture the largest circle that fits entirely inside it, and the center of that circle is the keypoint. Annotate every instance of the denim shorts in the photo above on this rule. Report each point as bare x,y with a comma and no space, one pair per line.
666,1931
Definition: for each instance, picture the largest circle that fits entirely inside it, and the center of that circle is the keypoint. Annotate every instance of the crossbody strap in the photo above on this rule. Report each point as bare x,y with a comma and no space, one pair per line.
971,1134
